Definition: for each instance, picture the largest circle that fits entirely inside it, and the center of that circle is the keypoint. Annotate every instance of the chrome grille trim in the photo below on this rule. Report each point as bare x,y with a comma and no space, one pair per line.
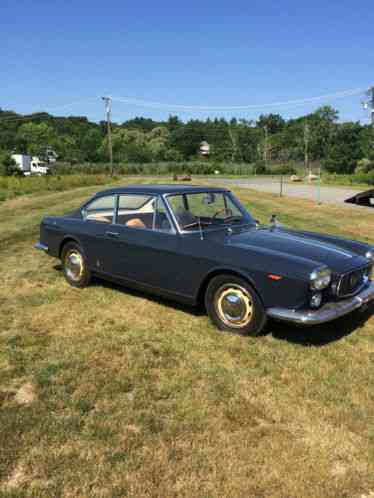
360,285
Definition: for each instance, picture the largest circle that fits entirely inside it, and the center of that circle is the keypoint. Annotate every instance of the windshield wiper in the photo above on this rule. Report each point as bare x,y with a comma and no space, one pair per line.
233,219
196,224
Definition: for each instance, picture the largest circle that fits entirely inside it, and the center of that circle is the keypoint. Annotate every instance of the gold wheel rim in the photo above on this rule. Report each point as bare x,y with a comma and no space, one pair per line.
74,265
234,305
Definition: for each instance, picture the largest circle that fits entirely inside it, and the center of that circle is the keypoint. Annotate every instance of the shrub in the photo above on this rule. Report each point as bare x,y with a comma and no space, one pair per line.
283,169
364,166
8,167
357,178
260,168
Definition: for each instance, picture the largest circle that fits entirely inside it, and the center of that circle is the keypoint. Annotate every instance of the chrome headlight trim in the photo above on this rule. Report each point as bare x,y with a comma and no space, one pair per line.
320,279
370,255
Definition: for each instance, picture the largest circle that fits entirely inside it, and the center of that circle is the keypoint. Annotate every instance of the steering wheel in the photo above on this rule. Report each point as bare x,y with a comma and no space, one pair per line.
227,211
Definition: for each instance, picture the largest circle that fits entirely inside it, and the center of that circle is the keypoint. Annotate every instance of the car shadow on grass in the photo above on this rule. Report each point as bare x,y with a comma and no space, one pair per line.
170,303
317,335
321,335
107,284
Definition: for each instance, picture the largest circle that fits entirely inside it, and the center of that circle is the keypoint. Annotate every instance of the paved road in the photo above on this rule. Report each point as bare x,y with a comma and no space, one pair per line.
335,195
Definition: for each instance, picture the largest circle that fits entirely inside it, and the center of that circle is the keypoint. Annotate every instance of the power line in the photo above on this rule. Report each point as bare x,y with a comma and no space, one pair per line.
159,105
181,107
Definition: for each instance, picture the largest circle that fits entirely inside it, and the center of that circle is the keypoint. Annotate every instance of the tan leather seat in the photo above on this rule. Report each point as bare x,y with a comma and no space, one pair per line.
135,223
97,217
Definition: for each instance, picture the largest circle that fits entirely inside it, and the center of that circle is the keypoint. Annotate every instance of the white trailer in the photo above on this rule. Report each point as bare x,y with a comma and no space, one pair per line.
23,162
30,165
38,167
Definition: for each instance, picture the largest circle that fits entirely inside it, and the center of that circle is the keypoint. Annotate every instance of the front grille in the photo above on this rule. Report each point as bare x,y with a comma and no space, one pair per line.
350,283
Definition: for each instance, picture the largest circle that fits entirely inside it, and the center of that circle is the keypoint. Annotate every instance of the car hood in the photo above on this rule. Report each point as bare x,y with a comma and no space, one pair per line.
333,253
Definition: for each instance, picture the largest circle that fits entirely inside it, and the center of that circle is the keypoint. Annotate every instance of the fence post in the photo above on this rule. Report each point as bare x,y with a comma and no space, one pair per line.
281,186
319,188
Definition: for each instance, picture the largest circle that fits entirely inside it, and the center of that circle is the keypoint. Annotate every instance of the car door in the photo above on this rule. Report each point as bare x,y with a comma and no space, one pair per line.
144,244
95,232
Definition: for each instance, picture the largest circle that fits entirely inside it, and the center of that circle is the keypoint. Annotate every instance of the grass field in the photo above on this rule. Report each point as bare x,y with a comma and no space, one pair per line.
110,393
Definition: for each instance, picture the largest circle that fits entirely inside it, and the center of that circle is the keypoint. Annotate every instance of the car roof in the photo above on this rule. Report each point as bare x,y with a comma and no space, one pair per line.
161,189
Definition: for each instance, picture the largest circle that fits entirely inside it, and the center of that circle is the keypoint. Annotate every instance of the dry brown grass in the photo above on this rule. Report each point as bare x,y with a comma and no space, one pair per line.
133,396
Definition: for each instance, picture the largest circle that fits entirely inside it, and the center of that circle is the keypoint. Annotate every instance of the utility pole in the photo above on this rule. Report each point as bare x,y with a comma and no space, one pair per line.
108,109
371,91
266,130
306,149
369,105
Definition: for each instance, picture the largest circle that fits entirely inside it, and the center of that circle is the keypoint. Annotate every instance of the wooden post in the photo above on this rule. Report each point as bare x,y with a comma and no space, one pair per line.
108,107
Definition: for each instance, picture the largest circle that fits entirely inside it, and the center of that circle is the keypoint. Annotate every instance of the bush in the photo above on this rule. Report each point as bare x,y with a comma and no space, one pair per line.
283,169
339,163
8,166
357,178
363,178
364,166
260,168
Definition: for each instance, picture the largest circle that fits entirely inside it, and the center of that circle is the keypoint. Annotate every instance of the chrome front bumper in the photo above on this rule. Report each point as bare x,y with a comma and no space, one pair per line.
326,313
41,247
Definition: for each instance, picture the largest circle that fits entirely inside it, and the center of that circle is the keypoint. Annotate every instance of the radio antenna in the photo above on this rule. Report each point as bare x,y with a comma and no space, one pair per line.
201,231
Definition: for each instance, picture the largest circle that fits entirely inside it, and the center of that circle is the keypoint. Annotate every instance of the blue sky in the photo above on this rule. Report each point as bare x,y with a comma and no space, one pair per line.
208,53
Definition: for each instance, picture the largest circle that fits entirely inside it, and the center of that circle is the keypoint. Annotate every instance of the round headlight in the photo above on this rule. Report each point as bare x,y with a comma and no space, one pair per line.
370,255
320,279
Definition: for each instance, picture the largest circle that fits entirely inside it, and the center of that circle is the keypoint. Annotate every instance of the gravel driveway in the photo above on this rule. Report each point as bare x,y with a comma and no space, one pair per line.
328,194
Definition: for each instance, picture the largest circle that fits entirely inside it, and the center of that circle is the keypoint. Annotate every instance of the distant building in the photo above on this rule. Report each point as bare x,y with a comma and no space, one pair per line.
204,148
50,155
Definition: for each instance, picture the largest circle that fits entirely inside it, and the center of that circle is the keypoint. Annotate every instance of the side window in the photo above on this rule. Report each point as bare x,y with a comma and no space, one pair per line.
101,209
136,210
143,211
161,219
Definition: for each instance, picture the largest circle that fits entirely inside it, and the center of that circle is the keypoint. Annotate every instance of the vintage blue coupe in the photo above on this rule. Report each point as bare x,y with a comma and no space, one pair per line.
200,245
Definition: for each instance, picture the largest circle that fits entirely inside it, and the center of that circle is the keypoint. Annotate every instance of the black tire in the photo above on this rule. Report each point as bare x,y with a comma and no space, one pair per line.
76,274
227,294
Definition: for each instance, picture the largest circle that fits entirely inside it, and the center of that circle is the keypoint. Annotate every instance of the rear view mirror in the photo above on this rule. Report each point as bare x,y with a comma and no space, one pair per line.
209,198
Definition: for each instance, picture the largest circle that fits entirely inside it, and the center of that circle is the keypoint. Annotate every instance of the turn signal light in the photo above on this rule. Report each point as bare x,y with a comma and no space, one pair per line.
274,277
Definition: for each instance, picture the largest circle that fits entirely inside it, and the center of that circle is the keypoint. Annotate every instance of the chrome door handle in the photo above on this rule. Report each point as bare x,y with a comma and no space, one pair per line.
112,234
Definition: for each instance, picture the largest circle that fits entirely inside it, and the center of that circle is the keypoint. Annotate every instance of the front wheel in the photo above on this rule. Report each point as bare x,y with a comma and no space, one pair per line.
74,265
234,306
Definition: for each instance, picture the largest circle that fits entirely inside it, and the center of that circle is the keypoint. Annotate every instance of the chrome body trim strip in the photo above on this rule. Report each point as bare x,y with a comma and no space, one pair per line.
326,313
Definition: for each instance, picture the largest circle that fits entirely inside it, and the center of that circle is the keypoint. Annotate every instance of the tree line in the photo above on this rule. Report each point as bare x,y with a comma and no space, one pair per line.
340,147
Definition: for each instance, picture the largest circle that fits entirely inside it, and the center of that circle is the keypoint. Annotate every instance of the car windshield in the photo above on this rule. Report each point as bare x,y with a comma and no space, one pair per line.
207,210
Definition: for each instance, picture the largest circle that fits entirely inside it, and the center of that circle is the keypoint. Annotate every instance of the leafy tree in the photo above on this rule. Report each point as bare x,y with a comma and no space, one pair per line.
35,137
8,167
323,127
274,122
345,150
90,144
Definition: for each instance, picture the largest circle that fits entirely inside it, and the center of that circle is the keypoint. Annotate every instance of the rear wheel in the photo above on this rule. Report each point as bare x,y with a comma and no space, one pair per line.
234,306
74,265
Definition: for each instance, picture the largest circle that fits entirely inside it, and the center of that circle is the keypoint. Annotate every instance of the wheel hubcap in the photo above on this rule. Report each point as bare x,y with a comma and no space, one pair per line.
74,265
234,305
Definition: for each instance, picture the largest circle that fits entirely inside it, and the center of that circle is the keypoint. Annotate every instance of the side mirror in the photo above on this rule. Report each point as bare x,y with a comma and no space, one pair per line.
274,221
84,214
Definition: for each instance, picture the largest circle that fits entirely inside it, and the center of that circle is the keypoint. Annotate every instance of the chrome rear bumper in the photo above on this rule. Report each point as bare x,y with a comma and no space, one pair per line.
326,313
41,247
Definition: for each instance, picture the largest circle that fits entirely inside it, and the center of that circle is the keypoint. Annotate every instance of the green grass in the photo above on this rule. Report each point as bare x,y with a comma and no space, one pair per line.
133,396
11,187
